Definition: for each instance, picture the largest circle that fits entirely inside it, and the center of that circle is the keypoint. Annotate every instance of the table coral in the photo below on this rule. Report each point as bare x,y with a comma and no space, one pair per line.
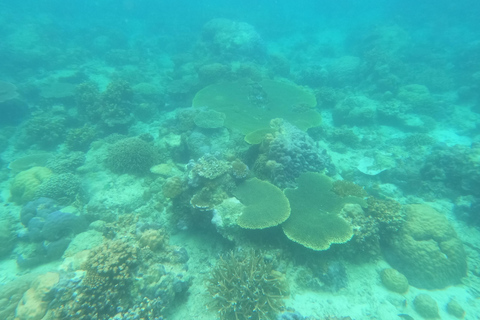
314,221
266,205
250,106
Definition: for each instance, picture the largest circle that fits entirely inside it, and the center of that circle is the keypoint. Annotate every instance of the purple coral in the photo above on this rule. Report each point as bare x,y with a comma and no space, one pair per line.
294,153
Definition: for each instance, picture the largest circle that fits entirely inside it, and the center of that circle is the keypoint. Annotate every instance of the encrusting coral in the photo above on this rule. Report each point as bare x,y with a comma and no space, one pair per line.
244,285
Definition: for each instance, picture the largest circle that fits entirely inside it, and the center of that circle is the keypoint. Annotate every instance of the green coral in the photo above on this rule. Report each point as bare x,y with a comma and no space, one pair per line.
427,250
250,106
45,130
209,119
63,187
131,155
266,205
79,139
246,286
314,221
455,309
394,280
26,183
7,235
426,306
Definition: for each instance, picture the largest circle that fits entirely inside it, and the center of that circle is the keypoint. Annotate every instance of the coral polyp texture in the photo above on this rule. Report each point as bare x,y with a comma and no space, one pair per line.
246,286
314,221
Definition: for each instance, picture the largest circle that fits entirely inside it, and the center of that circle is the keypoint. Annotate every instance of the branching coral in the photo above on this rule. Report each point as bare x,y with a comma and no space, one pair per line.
246,286
105,286
132,155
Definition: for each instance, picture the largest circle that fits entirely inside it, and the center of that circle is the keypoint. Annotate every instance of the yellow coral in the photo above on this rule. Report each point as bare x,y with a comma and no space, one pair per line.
26,183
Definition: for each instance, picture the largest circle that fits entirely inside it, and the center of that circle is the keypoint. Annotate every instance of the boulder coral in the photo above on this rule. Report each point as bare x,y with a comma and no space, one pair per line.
394,280
26,183
426,249
34,302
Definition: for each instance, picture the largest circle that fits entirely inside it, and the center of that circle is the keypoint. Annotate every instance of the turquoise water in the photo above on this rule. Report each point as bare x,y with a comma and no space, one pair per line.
239,160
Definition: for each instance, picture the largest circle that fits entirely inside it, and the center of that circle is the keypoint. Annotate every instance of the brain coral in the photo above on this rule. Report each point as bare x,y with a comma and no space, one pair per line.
427,250
131,155
314,221
26,183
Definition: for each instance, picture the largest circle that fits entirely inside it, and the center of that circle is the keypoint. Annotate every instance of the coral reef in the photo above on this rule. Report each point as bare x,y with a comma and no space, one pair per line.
246,286
289,152
259,102
79,139
65,162
11,293
394,280
64,188
455,309
427,250
45,130
209,119
13,110
7,235
355,111
265,205
453,171
314,221
105,285
26,183
131,155
34,303
231,39
125,277
426,306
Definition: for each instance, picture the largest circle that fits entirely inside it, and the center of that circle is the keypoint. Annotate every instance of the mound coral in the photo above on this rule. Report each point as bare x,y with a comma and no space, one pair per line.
249,106
62,187
427,250
266,205
26,183
426,306
394,280
131,155
314,221
246,286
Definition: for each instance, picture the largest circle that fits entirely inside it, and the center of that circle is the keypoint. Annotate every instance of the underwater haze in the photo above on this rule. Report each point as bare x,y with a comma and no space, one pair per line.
234,160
